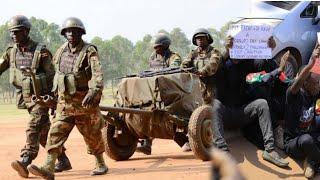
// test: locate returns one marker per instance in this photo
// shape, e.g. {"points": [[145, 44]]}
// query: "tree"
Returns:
{"points": [[4, 41], [179, 42], [141, 54], [45, 33], [219, 36], [115, 56]]}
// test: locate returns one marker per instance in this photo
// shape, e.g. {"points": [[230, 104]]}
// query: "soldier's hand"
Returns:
{"points": [[284, 61], [271, 43], [229, 42], [88, 100]]}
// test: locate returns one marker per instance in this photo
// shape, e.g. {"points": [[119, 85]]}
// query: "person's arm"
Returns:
{"points": [[95, 84], [46, 63], [303, 75], [275, 73], [5, 61], [228, 46], [188, 62]]}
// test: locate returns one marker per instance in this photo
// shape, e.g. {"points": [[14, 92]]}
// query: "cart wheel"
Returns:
{"points": [[200, 132], [119, 148]]}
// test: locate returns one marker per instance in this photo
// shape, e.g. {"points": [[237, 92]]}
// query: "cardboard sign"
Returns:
{"points": [[250, 41]]}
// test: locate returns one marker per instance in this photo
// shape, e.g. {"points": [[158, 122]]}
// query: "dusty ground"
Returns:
{"points": [[166, 162]]}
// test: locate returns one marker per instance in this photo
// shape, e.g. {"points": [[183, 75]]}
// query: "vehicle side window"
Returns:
{"points": [[311, 11]]}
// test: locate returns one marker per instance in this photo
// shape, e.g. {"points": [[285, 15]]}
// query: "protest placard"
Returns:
{"points": [[250, 41]]}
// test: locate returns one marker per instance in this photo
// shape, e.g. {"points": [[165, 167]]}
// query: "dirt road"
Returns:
{"points": [[166, 162]]}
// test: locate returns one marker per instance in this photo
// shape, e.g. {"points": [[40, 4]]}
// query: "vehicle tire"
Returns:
{"points": [[291, 68], [118, 148], [200, 132]]}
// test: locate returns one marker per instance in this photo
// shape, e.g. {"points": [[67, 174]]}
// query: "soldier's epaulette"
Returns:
{"points": [[91, 45]]}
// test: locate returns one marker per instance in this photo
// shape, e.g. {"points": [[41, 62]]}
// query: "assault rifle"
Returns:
{"points": [[169, 70], [45, 100]]}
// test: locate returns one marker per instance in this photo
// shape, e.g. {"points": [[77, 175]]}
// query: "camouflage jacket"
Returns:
{"points": [[77, 71], [170, 59], [35, 56], [206, 62]]}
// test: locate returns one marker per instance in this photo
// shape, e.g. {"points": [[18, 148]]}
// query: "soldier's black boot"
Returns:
{"points": [[63, 163], [145, 146], [21, 166], [101, 167]]}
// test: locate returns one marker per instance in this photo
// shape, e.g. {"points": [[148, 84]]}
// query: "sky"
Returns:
{"points": [[131, 18]]}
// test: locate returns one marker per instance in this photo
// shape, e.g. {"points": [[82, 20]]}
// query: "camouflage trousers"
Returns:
{"points": [[36, 131], [88, 122]]}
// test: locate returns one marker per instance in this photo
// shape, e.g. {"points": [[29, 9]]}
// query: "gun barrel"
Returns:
{"points": [[126, 110], [49, 101], [34, 99]]}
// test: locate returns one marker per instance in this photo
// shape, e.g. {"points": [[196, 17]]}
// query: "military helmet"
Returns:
{"points": [[17, 22], [161, 39], [201, 32], [72, 22]]}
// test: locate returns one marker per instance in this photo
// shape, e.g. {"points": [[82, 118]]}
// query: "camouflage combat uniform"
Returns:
{"points": [[170, 59], [207, 63], [38, 58], [78, 70]]}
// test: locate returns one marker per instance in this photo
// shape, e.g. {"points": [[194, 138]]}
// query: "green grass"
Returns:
{"points": [[108, 96], [10, 111]]}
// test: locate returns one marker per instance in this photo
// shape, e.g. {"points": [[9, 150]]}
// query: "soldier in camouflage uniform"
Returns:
{"points": [[27, 53], [78, 82], [207, 60], [162, 57]]}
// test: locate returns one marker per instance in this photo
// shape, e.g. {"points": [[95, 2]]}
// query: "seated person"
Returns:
{"points": [[301, 130], [234, 109]]}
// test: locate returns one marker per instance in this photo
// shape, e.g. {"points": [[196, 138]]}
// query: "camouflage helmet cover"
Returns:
{"points": [[201, 32], [72, 22], [18, 22]]}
